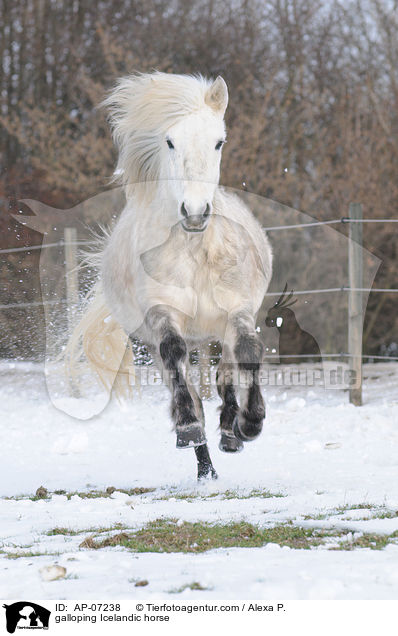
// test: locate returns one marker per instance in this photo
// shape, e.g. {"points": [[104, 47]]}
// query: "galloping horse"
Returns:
{"points": [[186, 260]]}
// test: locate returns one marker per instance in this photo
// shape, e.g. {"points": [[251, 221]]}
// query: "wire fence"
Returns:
{"points": [[343, 288], [267, 229]]}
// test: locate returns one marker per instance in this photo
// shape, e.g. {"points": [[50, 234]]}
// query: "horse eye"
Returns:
{"points": [[219, 144], [170, 144]]}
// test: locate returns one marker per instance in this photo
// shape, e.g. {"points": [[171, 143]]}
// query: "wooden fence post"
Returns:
{"points": [[72, 280], [355, 318]]}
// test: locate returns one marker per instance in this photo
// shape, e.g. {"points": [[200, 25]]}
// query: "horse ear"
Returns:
{"points": [[217, 95]]}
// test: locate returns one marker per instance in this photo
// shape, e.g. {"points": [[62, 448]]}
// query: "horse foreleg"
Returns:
{"points": [[248, 352], [229, 443], [172, 351]]}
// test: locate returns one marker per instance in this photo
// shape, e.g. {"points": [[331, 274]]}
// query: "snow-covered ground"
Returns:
{"points": [[335, 465]]}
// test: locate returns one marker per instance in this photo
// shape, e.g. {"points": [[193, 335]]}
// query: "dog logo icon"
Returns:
{"points": [[26, 615]]}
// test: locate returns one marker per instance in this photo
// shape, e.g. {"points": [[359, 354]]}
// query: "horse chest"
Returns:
{"points": [[209, 316], [186, 268]]}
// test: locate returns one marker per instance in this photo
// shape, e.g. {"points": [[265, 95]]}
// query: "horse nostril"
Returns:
{"points": [[206, 213], [184, 210]]}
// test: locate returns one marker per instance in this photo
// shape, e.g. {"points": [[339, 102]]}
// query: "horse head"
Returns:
{"points": [[170, 130]]}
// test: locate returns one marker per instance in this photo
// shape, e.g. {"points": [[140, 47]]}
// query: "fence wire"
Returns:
{"points": [[41, 247], [343, 220]]}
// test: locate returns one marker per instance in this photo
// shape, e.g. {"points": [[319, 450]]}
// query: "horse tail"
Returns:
{"points": [[98, 341]]}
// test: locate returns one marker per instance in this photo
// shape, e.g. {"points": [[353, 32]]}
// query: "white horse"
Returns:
{"points": [[186, 260]]}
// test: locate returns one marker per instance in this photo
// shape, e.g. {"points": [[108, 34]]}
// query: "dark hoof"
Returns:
{"points": [[245, 430], [206, 472], [229, 443], [190, 435]]}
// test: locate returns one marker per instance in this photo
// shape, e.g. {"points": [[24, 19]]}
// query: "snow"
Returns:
{"points": [[335, 464]]}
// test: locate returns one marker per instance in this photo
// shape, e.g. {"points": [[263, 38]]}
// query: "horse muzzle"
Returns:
{"points": [[194, 228], [195, 222]]}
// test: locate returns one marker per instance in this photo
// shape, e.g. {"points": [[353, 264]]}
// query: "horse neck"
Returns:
{"points": [[147, 217]]}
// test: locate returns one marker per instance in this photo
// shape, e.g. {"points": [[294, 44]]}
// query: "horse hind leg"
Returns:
{"points": [[205, 465]]}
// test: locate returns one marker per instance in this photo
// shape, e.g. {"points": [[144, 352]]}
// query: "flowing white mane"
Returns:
{"points": [[144, 106]]}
